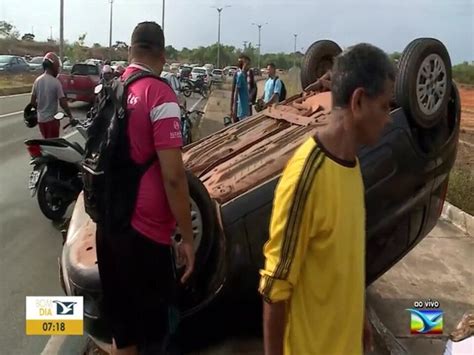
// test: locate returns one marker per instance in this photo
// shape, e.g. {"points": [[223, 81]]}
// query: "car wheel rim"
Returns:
{"points": [[431, 84], [196, 222]]}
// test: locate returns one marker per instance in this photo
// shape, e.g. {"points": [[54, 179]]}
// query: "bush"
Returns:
{"points": [[464, 73]]}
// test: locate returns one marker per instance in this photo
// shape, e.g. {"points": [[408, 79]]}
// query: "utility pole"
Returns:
{"points": [[163, 17], [259, 40], [219, 11], [110, 28], [294, 59], [61, 30]]}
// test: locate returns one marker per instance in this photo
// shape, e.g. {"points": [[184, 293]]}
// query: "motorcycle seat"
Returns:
{"points": [[56, 142]]}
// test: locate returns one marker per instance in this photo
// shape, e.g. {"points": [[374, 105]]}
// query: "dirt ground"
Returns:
{"points": [[467, 116]]}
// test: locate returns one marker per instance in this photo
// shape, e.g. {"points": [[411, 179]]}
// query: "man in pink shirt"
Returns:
{"points": [[136, 266]]}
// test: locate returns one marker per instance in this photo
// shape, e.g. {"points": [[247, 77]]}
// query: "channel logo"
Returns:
{"points": [[426, 321]]}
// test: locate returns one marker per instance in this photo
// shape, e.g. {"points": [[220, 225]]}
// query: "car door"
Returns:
{"points": [[13, 65], [22, 65]]}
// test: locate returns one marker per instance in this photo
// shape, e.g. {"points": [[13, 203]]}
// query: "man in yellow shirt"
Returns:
{"points": [[313, 281]]}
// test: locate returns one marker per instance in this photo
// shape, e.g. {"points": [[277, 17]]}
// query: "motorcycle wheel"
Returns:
{"points": [[187, 91], [52, 208]]}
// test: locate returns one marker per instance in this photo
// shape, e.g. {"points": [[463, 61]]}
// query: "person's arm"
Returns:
{"points": [[62, 99], [65, 106], [176, 188], [235, 97], [291, 226], [274, 321], [232, 97], [33, 100], [167, 139]]}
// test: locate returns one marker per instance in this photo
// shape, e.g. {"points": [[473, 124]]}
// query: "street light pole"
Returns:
{"points": [[163, 17], [110, 28], [294, 59], [61, 30], [259, 40], [219, 11]]}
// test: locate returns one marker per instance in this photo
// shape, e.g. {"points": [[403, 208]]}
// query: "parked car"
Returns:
{"points": [[175, 67], [80, 83], [256, 71], [36, 64], [176, 85], [217, 75], [199, 71], [232, 175], [232, 70], [67, 66], [119, 63], [184, 72], [13, 64]]}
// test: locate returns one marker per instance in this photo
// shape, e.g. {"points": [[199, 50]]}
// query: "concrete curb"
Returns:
{"points": [[459, 218]]}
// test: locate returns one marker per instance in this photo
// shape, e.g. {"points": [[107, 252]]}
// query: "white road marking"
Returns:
{"points": [[54, 345], [16, 95], [10, 114], [197, 103]]}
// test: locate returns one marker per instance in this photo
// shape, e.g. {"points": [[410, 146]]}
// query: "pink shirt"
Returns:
{"points": [[154, 124]]}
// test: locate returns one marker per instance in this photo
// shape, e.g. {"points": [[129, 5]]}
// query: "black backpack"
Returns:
{"points": [[282, 96], [110, 176]]}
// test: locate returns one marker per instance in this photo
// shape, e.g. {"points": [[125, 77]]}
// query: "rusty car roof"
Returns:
{"points": [[244, 155]]}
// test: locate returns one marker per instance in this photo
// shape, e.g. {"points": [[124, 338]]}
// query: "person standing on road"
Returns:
{"points": [[313, 281], [47, 91], [136, 265], [240, 100], [272, 90]]}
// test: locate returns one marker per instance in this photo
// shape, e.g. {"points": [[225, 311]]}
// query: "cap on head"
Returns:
{"points": [[148, 35]]}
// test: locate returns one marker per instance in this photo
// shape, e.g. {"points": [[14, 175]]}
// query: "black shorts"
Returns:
{"points": [[138, 285]]}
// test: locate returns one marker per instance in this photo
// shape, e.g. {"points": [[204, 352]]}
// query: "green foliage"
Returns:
{"points": [[461, 189], [464, 73]]}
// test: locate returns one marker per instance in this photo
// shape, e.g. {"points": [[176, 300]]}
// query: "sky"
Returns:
{"points": [[390, 25]]}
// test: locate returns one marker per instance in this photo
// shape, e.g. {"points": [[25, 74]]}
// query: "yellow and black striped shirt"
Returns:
{"points": [[314, 258]]}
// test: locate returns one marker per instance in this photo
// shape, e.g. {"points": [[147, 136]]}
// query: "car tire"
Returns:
{"points": [[187, 92], [204, 217], [423, 85], [318, 60]]}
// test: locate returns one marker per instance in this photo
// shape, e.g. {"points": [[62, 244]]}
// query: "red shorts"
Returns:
{"points": [[49, 129]]}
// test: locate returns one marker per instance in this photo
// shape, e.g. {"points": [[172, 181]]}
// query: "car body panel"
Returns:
{"points": [[80, 83], [13, 64]]}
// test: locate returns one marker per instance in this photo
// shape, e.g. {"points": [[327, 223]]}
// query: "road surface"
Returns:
{"points": [[29, 243]]}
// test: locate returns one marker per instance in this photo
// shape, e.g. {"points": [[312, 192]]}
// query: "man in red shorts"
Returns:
{"points": [[47, 91]]}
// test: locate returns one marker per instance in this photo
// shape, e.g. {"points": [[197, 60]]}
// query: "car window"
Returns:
{"points": [[217, 72], [5, 59], [15, 60], [85, 69], [199, 71]]}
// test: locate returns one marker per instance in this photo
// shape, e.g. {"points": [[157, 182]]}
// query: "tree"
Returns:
{"points": [[395, 56], [120, 45], [5, 29], [171, 52], [96, 45], [28, 37]]}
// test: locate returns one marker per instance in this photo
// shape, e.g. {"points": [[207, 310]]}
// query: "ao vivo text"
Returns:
{"points": [[429, 303]]}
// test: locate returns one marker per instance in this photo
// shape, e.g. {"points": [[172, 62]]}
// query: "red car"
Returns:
{"points": [[80, 83]]}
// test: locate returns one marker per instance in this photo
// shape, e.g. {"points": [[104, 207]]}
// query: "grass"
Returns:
{"points": [[461, 189], [16, 84]]}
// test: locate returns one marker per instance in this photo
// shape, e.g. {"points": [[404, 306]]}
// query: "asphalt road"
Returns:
{"points": [[29, 243]]}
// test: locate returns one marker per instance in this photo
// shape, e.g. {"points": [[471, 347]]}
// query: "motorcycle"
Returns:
{"points": [[187, 124], [198, 86], [56, 176]]}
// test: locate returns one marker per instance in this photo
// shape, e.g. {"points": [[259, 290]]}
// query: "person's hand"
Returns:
{"points": [[368, 338], [186, 257]]}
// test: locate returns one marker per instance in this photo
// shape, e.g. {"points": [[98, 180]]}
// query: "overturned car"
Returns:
{"points": [[233, 174]]}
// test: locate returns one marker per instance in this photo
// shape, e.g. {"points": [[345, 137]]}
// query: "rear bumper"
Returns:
{"points": [[86, 96]]}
